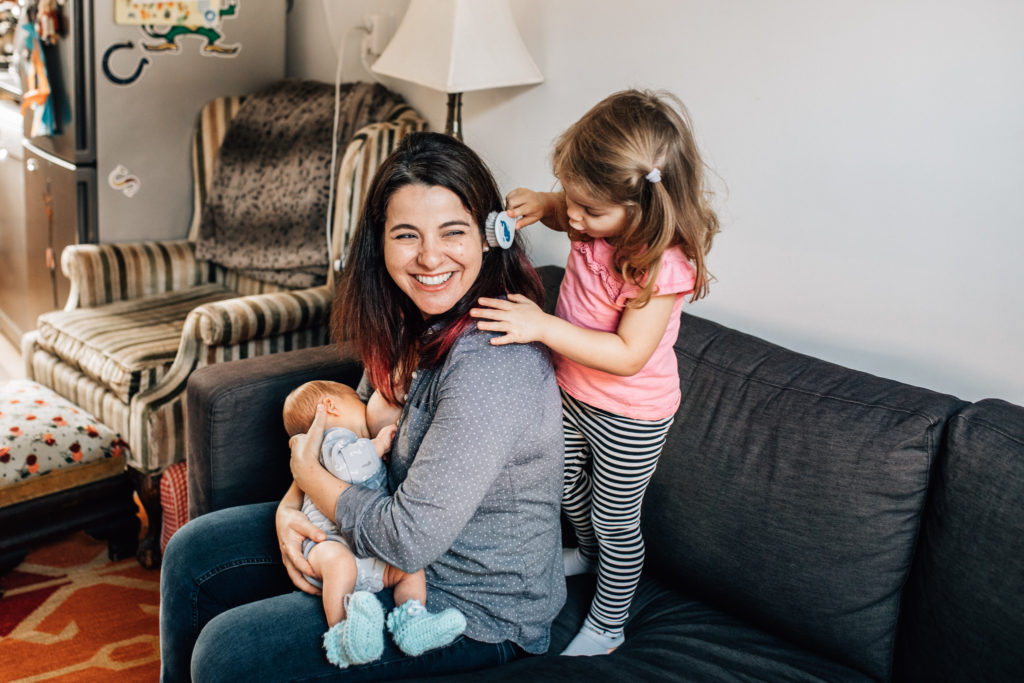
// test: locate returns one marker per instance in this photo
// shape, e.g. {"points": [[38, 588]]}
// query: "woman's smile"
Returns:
{"points": [[432, 280], [433, 248]]}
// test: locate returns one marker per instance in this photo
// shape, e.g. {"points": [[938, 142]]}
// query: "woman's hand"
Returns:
{"points": [[518, 317], [305, 460], [292, 527], [322, 487]]}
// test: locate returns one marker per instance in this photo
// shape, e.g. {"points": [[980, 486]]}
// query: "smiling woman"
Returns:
{"points": [[474, 474]]}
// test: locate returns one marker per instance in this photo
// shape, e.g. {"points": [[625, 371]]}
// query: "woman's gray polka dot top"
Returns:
{"points": [[476, 471]]}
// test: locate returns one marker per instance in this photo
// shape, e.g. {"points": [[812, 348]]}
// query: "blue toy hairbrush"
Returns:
{"points": [[500, 230]]}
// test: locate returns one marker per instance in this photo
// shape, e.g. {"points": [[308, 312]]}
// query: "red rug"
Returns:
{"points": [[68, 614]]}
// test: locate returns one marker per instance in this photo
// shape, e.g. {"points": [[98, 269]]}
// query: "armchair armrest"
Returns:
{"points": [[105, 273], [235, 321], [237, 446]]}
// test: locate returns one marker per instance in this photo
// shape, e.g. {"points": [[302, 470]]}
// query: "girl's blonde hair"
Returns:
{"points": [[609, 153]]}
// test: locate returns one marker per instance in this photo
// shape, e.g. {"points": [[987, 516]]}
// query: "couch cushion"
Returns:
{"points": [[669, 637], [126, 346], [790, 491], [964, 605]]}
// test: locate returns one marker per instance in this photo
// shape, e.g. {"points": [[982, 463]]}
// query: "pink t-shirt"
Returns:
{"points": [[594, 296]]}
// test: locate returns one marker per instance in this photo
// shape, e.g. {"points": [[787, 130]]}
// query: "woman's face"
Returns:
{"points": [[432, 246]]}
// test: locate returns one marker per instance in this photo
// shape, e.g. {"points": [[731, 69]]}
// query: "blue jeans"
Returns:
{"points": [[229, 612]]}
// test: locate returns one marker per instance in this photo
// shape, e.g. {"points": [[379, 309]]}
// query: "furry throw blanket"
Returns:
{"points": [[266, 209]]}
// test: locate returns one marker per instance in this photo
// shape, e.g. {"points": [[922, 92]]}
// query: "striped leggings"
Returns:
{"points": [[603, 501]]}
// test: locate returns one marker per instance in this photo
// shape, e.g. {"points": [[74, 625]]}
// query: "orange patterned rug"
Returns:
{"points": [[69, 614]]}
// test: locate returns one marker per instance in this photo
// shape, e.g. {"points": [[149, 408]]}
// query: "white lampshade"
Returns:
{"points": [[458, 45]]}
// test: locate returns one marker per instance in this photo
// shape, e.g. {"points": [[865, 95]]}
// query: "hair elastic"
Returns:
{"points": [[655, 175]]}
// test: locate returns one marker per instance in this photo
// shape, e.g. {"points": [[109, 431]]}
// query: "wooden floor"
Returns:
{"points": [[11, 366]]}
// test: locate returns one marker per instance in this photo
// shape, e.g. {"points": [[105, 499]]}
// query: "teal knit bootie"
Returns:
{"points": [[415, 630], [360, 637]]}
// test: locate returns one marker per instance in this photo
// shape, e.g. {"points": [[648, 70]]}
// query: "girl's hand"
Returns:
{"points": [[519, 318], [525, 205], [305, 460], [292, 528]]}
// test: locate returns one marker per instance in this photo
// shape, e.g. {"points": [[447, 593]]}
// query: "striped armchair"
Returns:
{"points": [[141, 317]]}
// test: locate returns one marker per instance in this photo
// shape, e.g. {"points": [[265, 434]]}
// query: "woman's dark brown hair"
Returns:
{"points": [[369, 309]]}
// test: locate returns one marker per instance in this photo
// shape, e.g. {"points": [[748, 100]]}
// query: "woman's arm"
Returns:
{"points": [[466, 436], [292, 527], [529, 207], [622, 352], [322, 487]]}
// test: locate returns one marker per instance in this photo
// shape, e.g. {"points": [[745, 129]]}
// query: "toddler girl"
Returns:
{"points": [[635, 208]]}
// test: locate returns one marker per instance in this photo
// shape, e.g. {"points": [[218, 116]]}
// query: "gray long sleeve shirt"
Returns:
{"points": [[476, 470]]}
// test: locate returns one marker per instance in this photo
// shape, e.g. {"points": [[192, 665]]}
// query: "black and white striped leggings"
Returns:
{"points": [[603, 502]]}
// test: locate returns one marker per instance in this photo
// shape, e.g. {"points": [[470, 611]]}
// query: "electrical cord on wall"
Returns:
{"points": [[365, 51]]}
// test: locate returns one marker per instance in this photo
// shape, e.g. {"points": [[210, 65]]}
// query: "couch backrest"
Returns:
{"points": [[963, 610], [790, 491]]}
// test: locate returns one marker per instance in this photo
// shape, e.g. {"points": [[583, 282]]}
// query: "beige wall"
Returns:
{"points": [[870, 158]]}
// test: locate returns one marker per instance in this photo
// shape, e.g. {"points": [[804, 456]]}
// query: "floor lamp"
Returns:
{"points": [[455, 46]]}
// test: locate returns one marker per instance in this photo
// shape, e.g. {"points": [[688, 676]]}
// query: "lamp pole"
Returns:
{"points": [[453, 125]]}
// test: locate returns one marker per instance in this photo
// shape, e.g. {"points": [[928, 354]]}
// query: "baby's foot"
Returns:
{"points": [[360, 637], [415, 630], [594, 641], [577, 563]]}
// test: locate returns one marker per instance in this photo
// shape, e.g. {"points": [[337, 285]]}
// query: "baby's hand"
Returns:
{"points": [[519, 318], [525, 205], [382, 442]]}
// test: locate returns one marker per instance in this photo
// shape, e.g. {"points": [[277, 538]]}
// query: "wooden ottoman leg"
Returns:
{"points": [[148, 488]]}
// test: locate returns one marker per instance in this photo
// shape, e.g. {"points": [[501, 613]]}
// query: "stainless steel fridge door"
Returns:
{"points": [[150, 88], [58, 212], [69, 68], [14, 321]]}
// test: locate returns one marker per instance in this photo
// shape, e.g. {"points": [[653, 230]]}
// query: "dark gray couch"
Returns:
{"points": [[806, 521]]}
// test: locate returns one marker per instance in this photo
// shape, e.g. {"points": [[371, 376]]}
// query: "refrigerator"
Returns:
{"points": [[107, 155]]}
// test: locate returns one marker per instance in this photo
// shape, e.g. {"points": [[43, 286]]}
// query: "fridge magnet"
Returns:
{"points": [[122, 180], [127, 79], [164, 23]]}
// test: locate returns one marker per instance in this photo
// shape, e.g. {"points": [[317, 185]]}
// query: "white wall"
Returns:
{"points": [[869, 159]]}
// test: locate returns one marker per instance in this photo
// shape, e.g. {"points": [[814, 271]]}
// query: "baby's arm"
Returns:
{"points": [[529, 207], [622, 352]]}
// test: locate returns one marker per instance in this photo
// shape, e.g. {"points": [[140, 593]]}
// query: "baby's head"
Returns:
{"points": [[344, 409]]}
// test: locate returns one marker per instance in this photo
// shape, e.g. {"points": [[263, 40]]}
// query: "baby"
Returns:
{"points": [[348, 582]]}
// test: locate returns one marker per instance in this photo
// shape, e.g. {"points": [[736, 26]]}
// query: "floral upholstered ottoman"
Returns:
{"points": [[60, 470]]}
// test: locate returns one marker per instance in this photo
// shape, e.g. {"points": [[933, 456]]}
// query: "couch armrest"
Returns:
{"points": [[237, 446], [256, 316], [104, 273]]}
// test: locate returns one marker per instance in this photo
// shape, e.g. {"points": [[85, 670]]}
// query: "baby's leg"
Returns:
{"points": [[407, 586], [337, 569]]}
